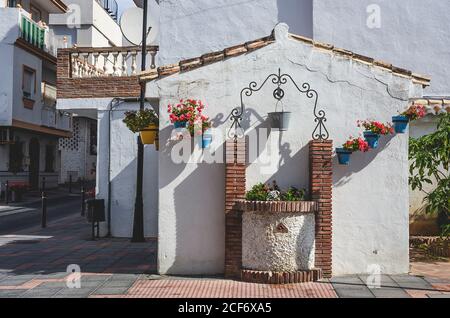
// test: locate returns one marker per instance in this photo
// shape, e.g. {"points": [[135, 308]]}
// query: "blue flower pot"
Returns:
{"points": [[180, 124], [400, 124], [343, 156], [372, 139], [206, 141]]}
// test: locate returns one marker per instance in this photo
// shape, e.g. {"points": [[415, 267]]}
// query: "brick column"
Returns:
{"points": [[235, 150], [321, 180]]}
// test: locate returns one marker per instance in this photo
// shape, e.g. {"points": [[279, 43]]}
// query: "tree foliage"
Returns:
{"points": [[429, 164]]}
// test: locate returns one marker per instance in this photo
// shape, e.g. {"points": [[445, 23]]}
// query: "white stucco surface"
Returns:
{"points": [[370, 199], [193, 27], [408, 33], [266, 249]]}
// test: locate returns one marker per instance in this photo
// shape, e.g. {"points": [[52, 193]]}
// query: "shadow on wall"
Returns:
{"points": [[359, 160], [298, 14], [199, 201]]}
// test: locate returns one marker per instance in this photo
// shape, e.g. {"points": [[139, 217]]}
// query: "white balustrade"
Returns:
{"points": [[96, 62]]}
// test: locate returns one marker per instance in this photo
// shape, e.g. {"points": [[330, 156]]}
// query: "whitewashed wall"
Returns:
{"points": [[412, 33], [123, 166], [193, 27], [370, 200]]}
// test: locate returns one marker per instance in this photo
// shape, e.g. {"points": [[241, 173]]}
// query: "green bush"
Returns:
{"points": [[259, 192], [293, 194]]}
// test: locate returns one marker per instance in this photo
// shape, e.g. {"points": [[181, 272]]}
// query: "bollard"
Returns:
{"points": [[43, 184], [70, 183], [7, 192], [44, 210], [83, 199]]}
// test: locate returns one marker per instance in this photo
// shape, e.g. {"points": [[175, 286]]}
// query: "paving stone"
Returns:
{"points": [[388, 292], [350, 280], [118, 283], [125, 277], [385, 280], [111, 291], [40, 292], [80, 292], [411, 282], [353, 292], [16, 281], [440, 296], [11, 293]]}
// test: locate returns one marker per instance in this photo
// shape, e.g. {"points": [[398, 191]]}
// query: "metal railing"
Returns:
{"points": [[111, 7], [31, 32]]}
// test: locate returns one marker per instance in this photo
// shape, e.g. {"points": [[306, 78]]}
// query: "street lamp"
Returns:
{"points": [[138, 222]]}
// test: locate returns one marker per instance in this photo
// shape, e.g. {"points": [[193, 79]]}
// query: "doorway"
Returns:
{"points": [[34, 153]]}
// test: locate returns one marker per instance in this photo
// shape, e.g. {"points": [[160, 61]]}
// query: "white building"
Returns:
{"points": [[184, 203], [29, 121], [92, 23]]}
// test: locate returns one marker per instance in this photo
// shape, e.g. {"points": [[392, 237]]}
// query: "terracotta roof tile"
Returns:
{"points": [[433, 105], [186, 65]]}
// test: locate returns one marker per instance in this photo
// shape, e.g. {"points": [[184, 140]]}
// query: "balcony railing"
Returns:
{"points": [[52, 118], [31, 32], [48, 94], [110, 61], [39, 35], [111, 7]]}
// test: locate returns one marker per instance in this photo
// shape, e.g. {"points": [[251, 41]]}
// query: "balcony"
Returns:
{"points": [[52, 118], [38, 35], [48, 94], [101, 72]]}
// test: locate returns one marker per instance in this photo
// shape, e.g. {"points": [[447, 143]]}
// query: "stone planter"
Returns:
{"points": [[278, 242]]}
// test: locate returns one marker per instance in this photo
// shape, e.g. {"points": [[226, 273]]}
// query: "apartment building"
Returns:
{"points": [[30, 125]]}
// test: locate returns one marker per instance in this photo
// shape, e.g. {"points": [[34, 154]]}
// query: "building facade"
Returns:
{"points": [[30, 123], [236, 43]]}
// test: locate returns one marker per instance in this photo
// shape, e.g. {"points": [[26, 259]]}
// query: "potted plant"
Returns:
{"points": [[263, 192], [145, 122], [412, 113], [202, 128], [187, 111], [350, 146], [374, 129]]}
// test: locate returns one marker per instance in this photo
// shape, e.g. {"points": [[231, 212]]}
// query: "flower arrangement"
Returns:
{"points": [[136, 121], [186, 112], [199, 126], [266, 192], [415, 112], [376, 127], [356, 144]]}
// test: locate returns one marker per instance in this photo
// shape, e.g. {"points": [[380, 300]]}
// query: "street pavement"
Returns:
{"points": [[39, 262]]}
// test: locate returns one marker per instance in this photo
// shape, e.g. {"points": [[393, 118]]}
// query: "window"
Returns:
{"points": [[49, 158], [29, 86]]}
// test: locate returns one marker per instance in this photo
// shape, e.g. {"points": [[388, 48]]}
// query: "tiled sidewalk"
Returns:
{"points": [[34, 263]]}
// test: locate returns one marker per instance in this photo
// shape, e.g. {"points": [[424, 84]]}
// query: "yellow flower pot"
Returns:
{"points": [[148, 135]]}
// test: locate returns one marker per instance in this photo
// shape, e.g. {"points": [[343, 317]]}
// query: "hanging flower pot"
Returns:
{"points": [[280, 120], [400, 123], [180, 124], [374, 129], [206, 141], [343, 156], [372, 139], [350, 146], [148, 135], [145, 122]]}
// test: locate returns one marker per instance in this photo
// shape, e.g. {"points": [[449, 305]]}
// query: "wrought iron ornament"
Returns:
{"points": [[320, 132]]}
